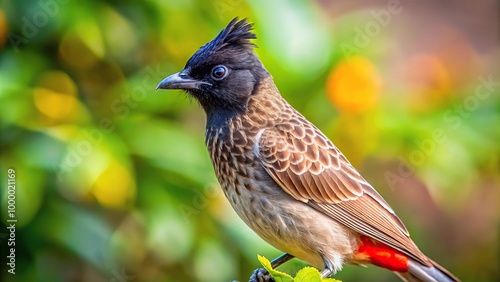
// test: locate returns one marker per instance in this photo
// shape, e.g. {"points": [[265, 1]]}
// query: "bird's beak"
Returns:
{"points": [[180, 80]]}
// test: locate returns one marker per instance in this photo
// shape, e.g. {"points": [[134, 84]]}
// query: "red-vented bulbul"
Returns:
{"points": [[283, 176]]}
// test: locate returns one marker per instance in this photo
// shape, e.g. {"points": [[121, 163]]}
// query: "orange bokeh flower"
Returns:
{"points": [[354, 85]]}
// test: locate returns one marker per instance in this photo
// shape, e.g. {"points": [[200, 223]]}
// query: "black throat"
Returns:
{"points": [[219, 118]]}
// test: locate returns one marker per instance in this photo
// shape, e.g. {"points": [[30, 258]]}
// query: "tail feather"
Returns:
{"points": [[418, 272]]}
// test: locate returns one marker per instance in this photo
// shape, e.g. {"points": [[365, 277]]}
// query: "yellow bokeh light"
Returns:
{"points": [[55, 95], [54, 104], [89, 34], [354, 85], [114, 187]]}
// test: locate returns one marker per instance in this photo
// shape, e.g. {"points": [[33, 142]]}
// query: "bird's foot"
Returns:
{"points": [[261, 275]]}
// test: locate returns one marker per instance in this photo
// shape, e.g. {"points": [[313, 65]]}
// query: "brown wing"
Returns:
{"points": [[307, 165]]}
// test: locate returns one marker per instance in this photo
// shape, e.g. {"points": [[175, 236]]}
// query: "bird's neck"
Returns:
{"points": [[220, 117], [265, 100], [265, 108]]}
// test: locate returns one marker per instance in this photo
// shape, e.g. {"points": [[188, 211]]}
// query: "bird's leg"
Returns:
{"points": [[326, 272], [329, 269], [262, 275], [281, 260]]}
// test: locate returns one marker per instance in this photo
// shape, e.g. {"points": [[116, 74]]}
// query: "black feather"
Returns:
{"points": [[233, 49], [236, 35]]}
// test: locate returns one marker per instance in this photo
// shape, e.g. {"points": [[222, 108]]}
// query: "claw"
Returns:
{"points": [[261, 275]]}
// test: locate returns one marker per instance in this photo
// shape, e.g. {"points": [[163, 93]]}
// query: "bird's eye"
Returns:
{"points": [[219, 72]]}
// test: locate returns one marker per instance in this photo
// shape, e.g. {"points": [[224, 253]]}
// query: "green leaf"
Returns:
{"points": [[306, 274], [277, 275]]}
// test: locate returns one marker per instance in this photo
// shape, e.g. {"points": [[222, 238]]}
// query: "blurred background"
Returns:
{"points": [[113, 179]]}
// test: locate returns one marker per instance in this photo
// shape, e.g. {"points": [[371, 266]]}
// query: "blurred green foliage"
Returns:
{"points": [[114, 182]]}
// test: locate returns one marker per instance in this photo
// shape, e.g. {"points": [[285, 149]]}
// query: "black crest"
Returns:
{"points": [[237, 33]]}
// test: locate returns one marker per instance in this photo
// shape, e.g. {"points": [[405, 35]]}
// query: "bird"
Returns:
{"points": [[285, 178]]}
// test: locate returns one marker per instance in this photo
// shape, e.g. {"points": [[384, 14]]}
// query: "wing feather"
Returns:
{"points": [[306, 165]]}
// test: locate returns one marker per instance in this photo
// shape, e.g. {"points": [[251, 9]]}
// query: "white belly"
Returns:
{"points": [[294, 227]]}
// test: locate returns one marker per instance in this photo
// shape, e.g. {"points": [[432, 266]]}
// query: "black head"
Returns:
{"points": [[223, 73]]}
